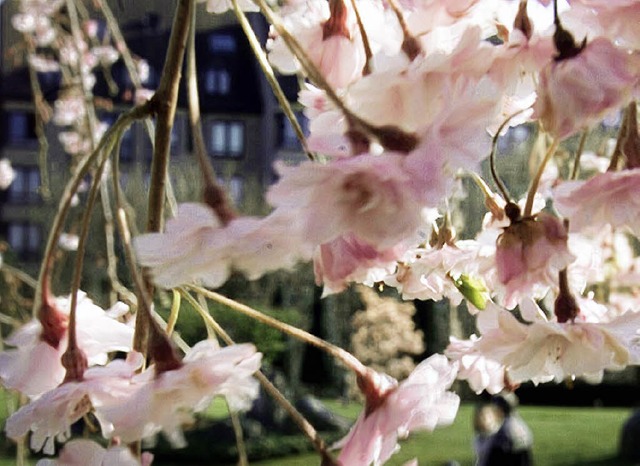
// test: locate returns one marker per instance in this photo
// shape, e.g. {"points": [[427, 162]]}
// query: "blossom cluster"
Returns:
{"points": [[403, 99]]}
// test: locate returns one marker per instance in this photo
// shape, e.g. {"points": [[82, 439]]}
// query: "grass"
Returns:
{"points": [[562, 437]]}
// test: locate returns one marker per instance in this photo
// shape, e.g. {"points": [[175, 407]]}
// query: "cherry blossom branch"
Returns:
{"points": [[20, 275], [268, 73], [42, 114], [141, 299], [243, 460], [533, 188], [208, 173], [120, 43], [214, 195], [576, 161], [410, 45], [174, 313], [390, 137], [92, 122], [340, 354], [73, 359], [365, 40], [68, 193], [627, 135], [304, 425], [492, 156], [164, 102]]}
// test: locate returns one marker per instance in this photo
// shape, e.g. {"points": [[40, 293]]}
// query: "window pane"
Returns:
{"points": [[33, 238], [33, 185], [18, 127], [236, 189], [218, 137], [19, 186], [210, 81], [217, 81], [236, 138], [224, 82], [222, 43], [15, 236]]}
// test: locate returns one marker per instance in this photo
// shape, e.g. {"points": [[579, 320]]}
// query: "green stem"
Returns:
{"points": [[194, 108], [533, 188], [84, 232], [343, 356], [165, 101], [304, 425], [67, 196], [365, 40], [576, 161], [494, 151], [267, 70]]}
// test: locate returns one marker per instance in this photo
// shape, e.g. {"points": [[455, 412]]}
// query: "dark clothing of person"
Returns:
{"points": [[511, 444]]}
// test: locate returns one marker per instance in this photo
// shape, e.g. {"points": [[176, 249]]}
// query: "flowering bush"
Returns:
{"points": [[404, 99]]}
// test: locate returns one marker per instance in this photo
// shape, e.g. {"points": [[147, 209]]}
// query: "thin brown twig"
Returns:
{"points": [[307, 429], [267, 70], [340, 354]]}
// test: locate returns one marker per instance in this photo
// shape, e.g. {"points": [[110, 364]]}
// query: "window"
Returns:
{"points": [[221, 43], [20, 127], [227, 138], [236, 189], [217, 81], [287, 138], [25, 187], [25, 239]]}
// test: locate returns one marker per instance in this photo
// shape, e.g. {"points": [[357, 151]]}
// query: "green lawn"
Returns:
{"points": [[562, 437]]}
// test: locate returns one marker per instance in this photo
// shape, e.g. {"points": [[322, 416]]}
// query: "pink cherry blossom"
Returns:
{"points": [[365, 196], [82, 452], [429, 273], [50, 417], [614, 20], [542, 350], [34, 366], [421, 402], [182, 252], [479, 371], [330, 38], [607, 198], [348, 259], [196, 246], [164, 402], [69, 110], [530, 252], [577, 92]]}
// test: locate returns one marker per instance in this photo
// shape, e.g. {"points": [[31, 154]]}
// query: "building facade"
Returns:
{"points": [[244, 128]]}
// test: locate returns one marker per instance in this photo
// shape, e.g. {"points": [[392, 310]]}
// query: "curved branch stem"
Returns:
{"points": [[492, 156], [368, 54], [307, 429], [267, 70], [340, 354], [195, 120], [533, 188], [576, 161], [164, 102]]}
